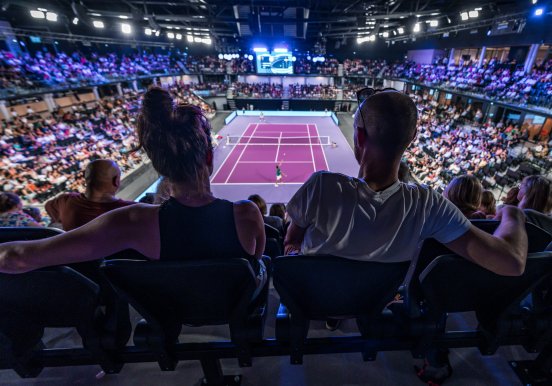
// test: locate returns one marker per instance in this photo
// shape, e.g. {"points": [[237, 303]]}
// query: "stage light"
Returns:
{"points": [[51, 16], [473, 14], [197, 39], [400, 30], [178, 36], [75, 20], [281, 50], [148, 31], [123, 17], [416, 27], [126, 28], [207, 41], [170, 35], [250, 57], [42, 9], [37, 14], [464, 16], [190, 38], [385, 34], [433, 23], [259, 49], [98, 24], [157, 33], [539, 11], [448, 20], [534, 1]]}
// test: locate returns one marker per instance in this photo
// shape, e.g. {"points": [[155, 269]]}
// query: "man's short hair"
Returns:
{"points": [[390, 118]]}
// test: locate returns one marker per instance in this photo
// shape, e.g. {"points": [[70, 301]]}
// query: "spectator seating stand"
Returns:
{"points": [[169, 294]]}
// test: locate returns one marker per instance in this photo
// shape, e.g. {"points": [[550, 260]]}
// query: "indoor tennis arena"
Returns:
{"points": [[276, 193]]}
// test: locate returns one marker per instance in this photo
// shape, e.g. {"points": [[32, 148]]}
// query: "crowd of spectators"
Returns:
{"points": [[360, 67], [44, 69], [311, 91], [257, 90], [306, 66], [452, 141], [503, 81]]}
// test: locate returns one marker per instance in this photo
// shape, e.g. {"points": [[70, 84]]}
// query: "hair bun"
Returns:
{"points": [[157, 103]]}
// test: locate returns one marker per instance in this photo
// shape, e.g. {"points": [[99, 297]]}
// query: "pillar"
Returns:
{"points": [[482, 56], [451, 58], [531, 57], [119, 89], [96, 93], [49, 100], [135, 85], [4, 111]]}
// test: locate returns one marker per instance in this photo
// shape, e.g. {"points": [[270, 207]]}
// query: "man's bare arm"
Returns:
{"points": [[294, 238], [504, 252]]}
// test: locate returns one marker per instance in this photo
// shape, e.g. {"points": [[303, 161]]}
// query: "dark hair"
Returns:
{"points": [[278, 209], [538, 193], [465, 193], [176, 138], [8, 201], [259, 201], [488, 203], [511, 197]]}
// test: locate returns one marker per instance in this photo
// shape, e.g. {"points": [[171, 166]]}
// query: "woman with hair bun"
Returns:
{"points": [[176, 138]]}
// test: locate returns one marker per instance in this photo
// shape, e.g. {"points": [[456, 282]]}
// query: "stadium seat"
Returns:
{"points": [[452, 284], [274, 242], [53, 297], [113, 323], [322, 287], [169, 294]]}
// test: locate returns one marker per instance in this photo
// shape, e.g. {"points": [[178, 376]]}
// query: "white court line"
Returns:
{"points": [[241, 154], [255, 183], [278, 148], [228, 155], [270, 162], [312, 152], [321, 148]]}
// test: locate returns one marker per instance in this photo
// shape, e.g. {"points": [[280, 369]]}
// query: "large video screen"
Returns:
{"points": [[272, 63]]}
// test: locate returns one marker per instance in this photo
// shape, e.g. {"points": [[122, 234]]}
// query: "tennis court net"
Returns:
{"points": [[276, 141]]}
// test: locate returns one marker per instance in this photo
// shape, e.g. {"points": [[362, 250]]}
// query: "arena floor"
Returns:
{"points": [[294, 142]]}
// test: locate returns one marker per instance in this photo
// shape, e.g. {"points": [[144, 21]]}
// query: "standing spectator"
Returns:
{"points": [[11, 212], [72, 210]]}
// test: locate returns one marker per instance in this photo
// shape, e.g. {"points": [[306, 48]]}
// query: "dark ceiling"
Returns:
{"points": [[232, 24]]}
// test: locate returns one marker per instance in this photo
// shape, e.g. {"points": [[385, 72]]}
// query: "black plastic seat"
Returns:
{"points": [[26, 233], [453, 284], [41, 297], [274, 242], [50, 297], [169, 294], [322, 287]]}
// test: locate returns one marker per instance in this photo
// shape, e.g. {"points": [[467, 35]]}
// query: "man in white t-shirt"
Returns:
{"points": [[377, 218]]}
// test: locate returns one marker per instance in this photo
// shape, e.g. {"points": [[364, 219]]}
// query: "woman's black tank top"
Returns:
{"points": [[205, 232]]}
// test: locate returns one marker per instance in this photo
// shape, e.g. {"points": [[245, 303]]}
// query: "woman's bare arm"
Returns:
{"points": [[131, 227], [250, 227]]}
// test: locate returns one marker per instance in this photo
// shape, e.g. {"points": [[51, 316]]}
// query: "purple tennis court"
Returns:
{"points": [[297, 148], [246, 157]]}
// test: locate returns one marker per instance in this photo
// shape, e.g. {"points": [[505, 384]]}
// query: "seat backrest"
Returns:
{"points": [[538, 240], [197, 292], [453, 284], [50, 297], [8, 234], [320, 286]]}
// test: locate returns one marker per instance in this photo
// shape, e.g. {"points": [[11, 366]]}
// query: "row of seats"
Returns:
{"points": [[214, 292]]}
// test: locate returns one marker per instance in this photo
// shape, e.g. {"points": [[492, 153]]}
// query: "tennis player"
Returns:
{"points": [[278, 175]]}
